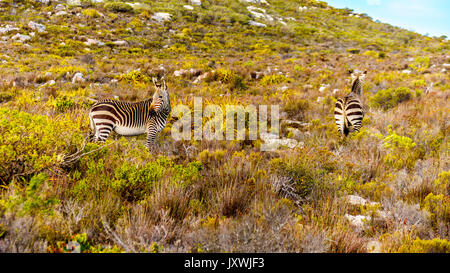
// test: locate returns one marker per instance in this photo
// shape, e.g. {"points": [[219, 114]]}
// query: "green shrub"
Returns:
{"points": [[29, 143], [439, 207], [426, 246], [420, 64], [402, 151], [63, 103], [134, 182], [389, 98], [93, 13], [274, 79], [118, 7], [134, 77]]}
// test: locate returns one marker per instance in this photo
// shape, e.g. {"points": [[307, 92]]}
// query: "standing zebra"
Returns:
{"points": [[348, 111], [130, 119]]}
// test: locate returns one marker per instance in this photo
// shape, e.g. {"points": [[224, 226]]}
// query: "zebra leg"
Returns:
{"points": [[151, 136], [102, 132]]}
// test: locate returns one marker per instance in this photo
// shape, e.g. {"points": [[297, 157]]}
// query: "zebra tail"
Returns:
{"points": [[346, 126]]}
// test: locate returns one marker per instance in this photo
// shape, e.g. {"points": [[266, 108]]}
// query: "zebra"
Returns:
{"points": [[130, 119], [349, 112]]}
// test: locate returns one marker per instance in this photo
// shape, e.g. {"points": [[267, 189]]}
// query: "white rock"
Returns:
{"points": [[60, 7], [78, 77], [406, 71], [45, 2], [49, 83], [74, 2], [357, 221], [323, 87], [273, 142], [36, 26], [373, 247], [179, 73], [6, 29], [196, 2], [302, 8], [259, 13], [21, 37], [120, 43], [201, 77], [443, 70], [255, 2], [61, 13], [162, 16], [358, 200], [91, 42], [189, 7], [256, 24], [446, 65], [252, 8]]}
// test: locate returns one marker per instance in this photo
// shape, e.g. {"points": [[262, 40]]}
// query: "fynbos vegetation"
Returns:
{"points": [[383, 188]]}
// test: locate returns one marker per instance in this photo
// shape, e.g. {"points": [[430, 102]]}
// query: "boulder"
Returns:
{"points": [[357, 221], [256, 24], [74, 2], [36, 26], [91, 42], [78, 77], [255, 2], [20, 37], [120, 43], [6, 29], [359, 201], [61, 13], [196, 2], [162, 16]]}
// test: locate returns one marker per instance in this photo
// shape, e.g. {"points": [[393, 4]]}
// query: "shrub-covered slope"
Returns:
{"points": [[384, 189]]}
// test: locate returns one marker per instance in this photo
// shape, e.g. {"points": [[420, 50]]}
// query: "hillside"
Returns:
{"points": [[383, 189]]}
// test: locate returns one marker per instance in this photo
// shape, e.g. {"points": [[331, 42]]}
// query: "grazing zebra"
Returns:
{"points": [[130, 119], [348, 111]]}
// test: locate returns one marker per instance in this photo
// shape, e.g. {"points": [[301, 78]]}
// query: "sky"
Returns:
{"points": [[430, 17]]}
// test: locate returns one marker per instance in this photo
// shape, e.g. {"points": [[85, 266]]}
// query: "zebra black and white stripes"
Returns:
{"points": [[348, 111], [129, 119]]}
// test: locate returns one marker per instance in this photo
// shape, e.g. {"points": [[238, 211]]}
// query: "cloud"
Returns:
{"points": [[373, 2]]}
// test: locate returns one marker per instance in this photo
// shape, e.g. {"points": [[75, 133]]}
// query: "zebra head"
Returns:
{"points": [[160, 100], [357, 80]]}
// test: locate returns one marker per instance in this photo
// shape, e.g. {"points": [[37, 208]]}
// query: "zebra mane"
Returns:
{"points": [[357, 86], [357, 83]]}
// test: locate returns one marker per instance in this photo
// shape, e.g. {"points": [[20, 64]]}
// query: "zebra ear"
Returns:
{"points": [[350, 71], [164, 83]]}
